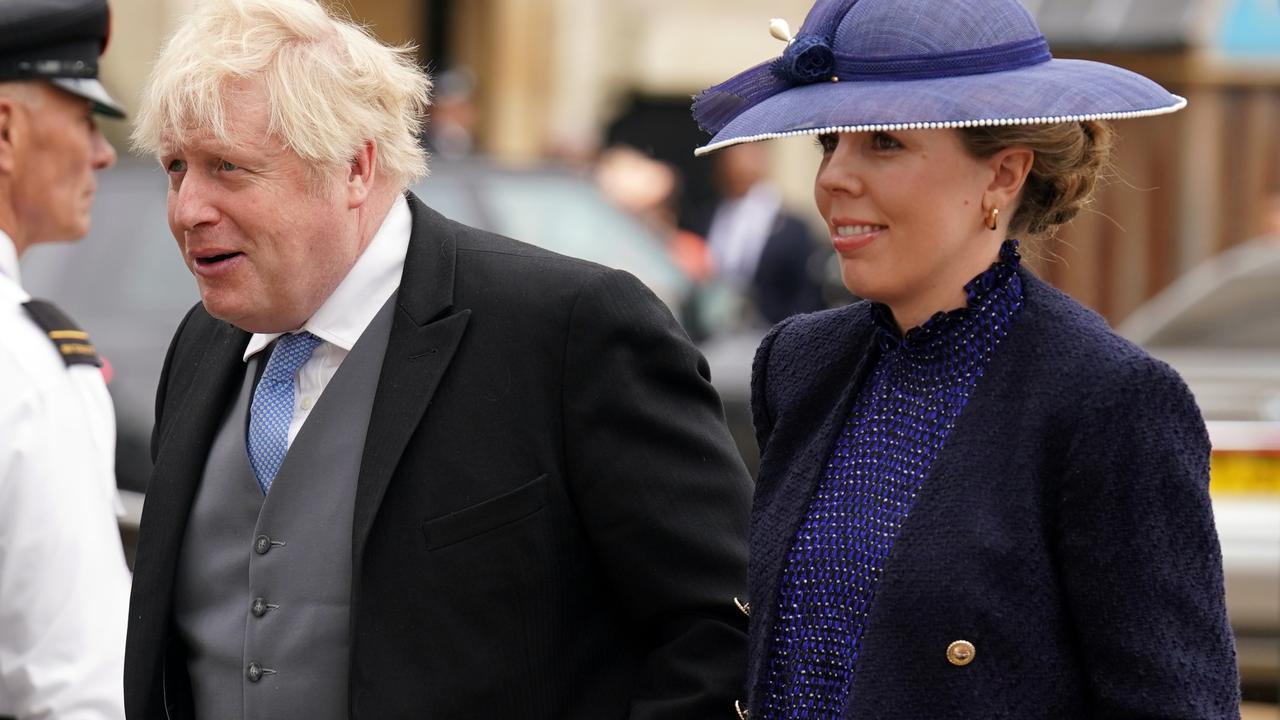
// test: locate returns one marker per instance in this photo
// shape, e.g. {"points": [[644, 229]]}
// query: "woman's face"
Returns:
{"points": [[906, 217]]}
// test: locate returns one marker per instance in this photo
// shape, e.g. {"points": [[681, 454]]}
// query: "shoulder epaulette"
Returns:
{"points": [[72, 342]]}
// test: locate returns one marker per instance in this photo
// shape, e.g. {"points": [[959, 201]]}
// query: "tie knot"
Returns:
{"points": [[290, 353]]}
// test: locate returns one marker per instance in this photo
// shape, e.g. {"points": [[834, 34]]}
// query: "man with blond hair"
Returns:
{"points": [[405, 468], [64, 583]]}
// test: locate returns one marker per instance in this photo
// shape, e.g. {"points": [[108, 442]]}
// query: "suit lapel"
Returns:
{"points": [[193, 422], [425, 334]]}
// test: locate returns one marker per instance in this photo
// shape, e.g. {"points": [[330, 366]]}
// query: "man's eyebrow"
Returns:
{"points": [[210, 148]]}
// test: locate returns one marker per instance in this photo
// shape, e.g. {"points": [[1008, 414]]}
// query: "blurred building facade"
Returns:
{"points": [[554, 74], [1187, 186]]}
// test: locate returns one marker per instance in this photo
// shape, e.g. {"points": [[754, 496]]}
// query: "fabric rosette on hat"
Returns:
{"points": [[866, 65]]}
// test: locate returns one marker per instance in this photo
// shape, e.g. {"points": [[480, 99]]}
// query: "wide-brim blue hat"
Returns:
{"points": [[883, 65]]}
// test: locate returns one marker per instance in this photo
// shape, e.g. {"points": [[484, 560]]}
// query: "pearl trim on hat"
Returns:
{"points": [[1181, 103]]}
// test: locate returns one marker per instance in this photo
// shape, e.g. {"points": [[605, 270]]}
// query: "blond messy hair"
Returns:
{"points": [[331, 86]]}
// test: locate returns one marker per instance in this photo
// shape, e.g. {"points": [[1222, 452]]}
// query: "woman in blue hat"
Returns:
{"points": [[974, 500]]}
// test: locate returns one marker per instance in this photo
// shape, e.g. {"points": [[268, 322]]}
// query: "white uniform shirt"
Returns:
{"points": [[347, 312], [64, 584]]}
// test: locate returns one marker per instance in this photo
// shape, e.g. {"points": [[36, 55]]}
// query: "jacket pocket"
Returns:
{"points": [[487, 515]]}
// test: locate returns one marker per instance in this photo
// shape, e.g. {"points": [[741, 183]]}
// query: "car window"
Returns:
{"points": [[1242, 312], [567, 216], [1231, 302]]}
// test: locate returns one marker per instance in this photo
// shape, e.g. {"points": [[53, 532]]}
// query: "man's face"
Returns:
{"points": [[53, 181], [267, 240]]}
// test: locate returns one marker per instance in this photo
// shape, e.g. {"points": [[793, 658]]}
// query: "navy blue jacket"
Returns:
{"points": [[1065, 529]]}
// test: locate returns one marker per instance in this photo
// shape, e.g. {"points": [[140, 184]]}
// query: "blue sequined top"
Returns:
{"points": [[899, 421]]}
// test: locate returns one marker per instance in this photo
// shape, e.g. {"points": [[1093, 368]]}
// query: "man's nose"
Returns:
{"points": [[104, 156], [191, 203]]}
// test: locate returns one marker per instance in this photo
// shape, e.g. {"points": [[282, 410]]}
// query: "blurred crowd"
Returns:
{"points": [[728, 228]]}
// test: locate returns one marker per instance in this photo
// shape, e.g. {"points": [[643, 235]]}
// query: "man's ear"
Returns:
{"points": [[8, 118], [1010, 168], [361, 174]]}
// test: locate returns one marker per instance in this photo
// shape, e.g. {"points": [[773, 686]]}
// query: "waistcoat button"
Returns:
{"points": [[261, 544], [254, 672], [259, 607]]}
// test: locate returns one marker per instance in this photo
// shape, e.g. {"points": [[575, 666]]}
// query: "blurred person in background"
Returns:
{"points": [[451, 120], [404, 467], [64, 584], [974, 499], [755, 244], [647, 188]]}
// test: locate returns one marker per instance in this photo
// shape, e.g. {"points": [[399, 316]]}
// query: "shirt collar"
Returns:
{"points": [[375, 276], [9, 258], [992, 298]]}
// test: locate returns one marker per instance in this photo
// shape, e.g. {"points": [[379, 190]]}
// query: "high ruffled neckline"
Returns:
{"points": [[942, 323]]}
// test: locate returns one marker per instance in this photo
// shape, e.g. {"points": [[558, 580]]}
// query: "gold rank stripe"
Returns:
{"points": [[68, 335], [77, 349]]}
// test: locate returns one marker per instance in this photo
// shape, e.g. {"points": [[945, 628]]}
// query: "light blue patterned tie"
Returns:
{"points": [[272, 408]]}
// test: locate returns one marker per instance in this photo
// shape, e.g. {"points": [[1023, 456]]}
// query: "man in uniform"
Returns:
{"points": [[406, 468], [63, 580]]}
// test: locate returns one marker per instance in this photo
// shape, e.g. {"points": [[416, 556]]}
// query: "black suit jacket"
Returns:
{"points": [[550, 519], [788, 275], [786, 281]]}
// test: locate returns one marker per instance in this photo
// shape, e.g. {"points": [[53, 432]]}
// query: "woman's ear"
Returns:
{"points": [[1010, 168]]}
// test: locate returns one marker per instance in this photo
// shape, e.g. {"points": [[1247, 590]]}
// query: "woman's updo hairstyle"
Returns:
{"points": [[1069, 159]]}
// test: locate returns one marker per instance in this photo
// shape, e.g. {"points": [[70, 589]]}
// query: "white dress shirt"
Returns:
{"points": [[739, 230], [64, 584], [347, 312]]}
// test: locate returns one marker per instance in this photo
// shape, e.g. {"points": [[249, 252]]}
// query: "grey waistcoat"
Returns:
{"points": [[262, 596]]}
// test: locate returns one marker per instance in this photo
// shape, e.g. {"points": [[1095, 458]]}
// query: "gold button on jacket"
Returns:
{"points": [[961, 652]]}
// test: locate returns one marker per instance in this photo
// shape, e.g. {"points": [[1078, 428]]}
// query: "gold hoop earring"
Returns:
{"points": [[993, 218]]}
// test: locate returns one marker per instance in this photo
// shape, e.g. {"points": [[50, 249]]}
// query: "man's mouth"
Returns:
{"points": [[212, 264], [212, 260]]}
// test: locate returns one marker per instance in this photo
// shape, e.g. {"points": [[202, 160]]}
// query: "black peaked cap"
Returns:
{"points": [[58, 41]]}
